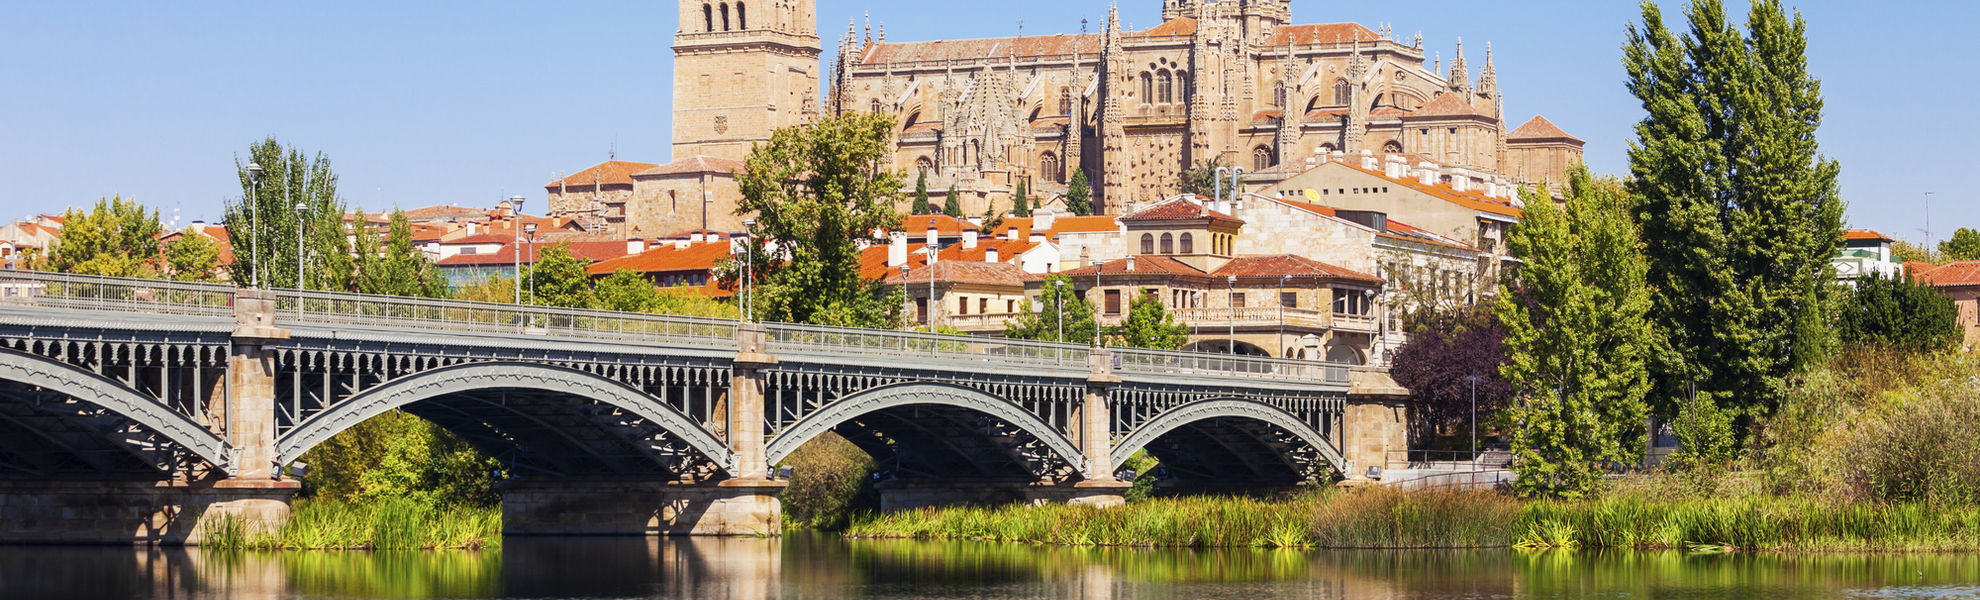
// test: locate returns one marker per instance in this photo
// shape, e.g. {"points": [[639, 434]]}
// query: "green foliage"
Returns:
{"points": [[493, 288], [921, 206], [558, 278], [626, 291], [1079, 198], [1718, 524], [375, 524], [264, 225], [1740, 210], [398, 455], [194, 257], [117, 238], [1021, 206], [1143, 465], [1880, 424], [1964, 245], [951, 204], [397, 268], [1149, 325], [831, 480], [1576, 338], [1202, 180], [1900, 314], [1905, 251], [1056, 303], [818, 195]]}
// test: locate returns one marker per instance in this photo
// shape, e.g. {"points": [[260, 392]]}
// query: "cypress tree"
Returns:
{"points": [[921, 206], [1021, 206], [952, 206], [1740, 211], [1078, 197]]}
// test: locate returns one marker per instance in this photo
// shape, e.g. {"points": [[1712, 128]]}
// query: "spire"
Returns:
{"points": [[882, 37], [1460, 76], [852, 35], [869, 29], [1488, 79]]}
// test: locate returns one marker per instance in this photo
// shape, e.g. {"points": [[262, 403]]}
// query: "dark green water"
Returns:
{"points": [[824, 567]]}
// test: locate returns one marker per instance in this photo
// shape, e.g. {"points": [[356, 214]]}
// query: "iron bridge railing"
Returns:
{"points": [[1136, 360], [117, 294], [457, 315], [909, 345]]}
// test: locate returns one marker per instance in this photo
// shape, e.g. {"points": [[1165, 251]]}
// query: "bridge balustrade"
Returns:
{"points": [[117, 294], [787, 337], [339, 308]]}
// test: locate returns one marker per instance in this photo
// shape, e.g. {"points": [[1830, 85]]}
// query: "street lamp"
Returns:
{"points": [[254, 228], [1059, 314], [749, 271], [1230, 297], [1474, 379], [530, 230], [515, 254], [300, 210]]}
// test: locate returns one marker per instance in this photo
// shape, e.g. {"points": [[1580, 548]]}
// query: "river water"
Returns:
{"points": [[812, 566]]}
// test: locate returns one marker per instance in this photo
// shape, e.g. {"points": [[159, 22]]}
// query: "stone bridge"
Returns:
{"points": [[137, 410]]}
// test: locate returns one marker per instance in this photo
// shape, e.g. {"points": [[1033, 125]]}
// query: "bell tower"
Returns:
{"points": [[742, 68]]}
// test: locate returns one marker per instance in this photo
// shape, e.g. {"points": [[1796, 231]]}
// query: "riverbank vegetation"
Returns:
{"points": [[377, 524]]}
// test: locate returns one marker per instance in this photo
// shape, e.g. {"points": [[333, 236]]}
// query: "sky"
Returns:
{"points": [[423, 103]]}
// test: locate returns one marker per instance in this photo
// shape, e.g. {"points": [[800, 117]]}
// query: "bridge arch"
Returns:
{"points": [[1268, 442], [24, 374], [886, 421], [542, 418]]}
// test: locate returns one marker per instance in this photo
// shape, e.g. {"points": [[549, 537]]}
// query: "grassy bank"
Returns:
{"points": [[384, 524], [1748, 523]]}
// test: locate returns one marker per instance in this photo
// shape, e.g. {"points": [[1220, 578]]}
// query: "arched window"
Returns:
{"points": [[1065, 101], [1261, 158], [1279, 96], [1343, 93], [1188, 243], [923, 165], [1049, 167], [725, 17], [742, 19], [1147, 243], [1393, 147], [876, 106], [1167, 88], [1325, 149], [1168, 244], [1147, 88], [1182, 86], [708, 17]]}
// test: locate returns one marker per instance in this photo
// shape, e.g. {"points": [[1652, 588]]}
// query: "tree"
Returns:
{"points": [[117, 238], [1446, 347], [1149, 325], [1058, 302], [492, 288], [952, 205], [1905, 251], [194, 257], [395, 268], [1898, 313], [559, 279], [921, 206], [1201, 180], [263, 225], [1021, 205], [626, 291], [1577, 338], [398, 455], [1741, 212], [1964, 245], [1078, 197], [820, 195]]}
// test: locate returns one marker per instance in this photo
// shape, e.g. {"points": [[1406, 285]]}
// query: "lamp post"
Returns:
{"points": [[515, 255], [749, 271], [1059, 314], [300, 210], [1474, 379], [530, 230], [1230, 297], [254, 227]]}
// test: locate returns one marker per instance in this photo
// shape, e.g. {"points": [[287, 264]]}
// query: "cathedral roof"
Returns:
{"points": [[693, 164], [1323, 33], [609, 172], [982, 48], [1176, 26], [1446, 105], [1539, 129]]}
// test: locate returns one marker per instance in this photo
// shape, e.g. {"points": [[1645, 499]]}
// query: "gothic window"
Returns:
{"points": [[1279, 96], [1147, 243], [1343, 94], [923, 165], [1065, 101], [1325, 149], [1182, 86], [725, 17], [1049, 167], [742, 19], [1188, 243], [876, 106], [1167, 89], [1168, 244], [1147, 88], [1261, 158], [1393, 147], [707, 17]]}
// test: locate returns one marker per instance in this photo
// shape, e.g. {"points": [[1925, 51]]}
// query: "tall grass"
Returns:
{"points": [[383, 524], [1748, 523]]}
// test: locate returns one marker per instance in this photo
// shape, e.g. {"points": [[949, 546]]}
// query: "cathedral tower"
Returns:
{"points": [[742, 68]]}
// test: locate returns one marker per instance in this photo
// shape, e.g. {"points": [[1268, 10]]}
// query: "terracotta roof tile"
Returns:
{"points": [[667, 258], [959, 271], [591, 251], [1179, 208], [1539, 128], [945, 225], [1865, 234], [1144, 264], [692, 164], [1082, 224], [1446, 105], [440, 212], [1953, 274], [1473, 199], [982, 48], [1177, 26], [1288, 264], [1324, 33], [610, 172]]}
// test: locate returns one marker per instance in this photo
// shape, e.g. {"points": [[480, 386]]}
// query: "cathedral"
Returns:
{"points": [[1231, 81]]}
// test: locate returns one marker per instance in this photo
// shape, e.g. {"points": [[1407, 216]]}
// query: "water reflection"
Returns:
{"points": [[826, 567]]}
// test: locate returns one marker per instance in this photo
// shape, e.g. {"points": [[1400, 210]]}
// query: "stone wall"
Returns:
{"points": [[126, 512], [565, 507], [670, 204]]}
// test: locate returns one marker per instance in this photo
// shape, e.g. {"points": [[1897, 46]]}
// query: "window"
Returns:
{"points": [[470, 250], [707, 18], [1168, 244], [1168, 87], [876, 106], [962, 305], [1049, 168], [1065, 101], [983, 306], [1113, 302], [923, 165], [1279, 97], [742, 20], [1237, 299], [725, 17], [1343, 93], [1289, 299], [1147, 243], [1393, 147], [1182, 86], [1188, 243], [1261, 158], [1010, 306], [921, 309], [1147, 88], [1351, 302]]}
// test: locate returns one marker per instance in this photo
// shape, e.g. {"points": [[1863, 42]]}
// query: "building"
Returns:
{"points": [[1864, 253], [1961, 282]]}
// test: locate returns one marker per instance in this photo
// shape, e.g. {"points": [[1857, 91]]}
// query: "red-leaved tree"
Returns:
{"points": [[1444, 348]]}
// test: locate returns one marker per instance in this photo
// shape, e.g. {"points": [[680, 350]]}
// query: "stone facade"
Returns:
{"points": [[741, 71]]}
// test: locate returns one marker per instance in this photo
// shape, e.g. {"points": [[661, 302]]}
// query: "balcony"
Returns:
{"points": [[1255, 316]]}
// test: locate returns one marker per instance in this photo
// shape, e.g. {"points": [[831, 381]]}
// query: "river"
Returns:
{"points": [[815, 566]]}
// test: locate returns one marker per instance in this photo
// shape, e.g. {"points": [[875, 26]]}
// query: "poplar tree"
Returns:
{"points": [[1078, 197], [263, 226], [1577, 338], [393, 266], [952, 206], [921, 206], [1741, 212], [1021, 206]]}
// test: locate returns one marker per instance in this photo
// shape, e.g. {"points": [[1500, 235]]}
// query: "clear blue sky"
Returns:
{"points": [[428, 103]]}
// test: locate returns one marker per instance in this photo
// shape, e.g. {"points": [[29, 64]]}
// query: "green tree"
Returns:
{"points": [[1021, 205], [194, 257], [264, 225], [1905, 251], [921, 206], [558, 278], [819, 195], [117, 238], [1964, 245], [1078, 197], [688, 301], [952, 205], [1202, 180], [398, 455], [492, 288], [1058, 302], [395, 267], [626, 291], [1149, 325], [1577, 338], [1741, 212], [1897, 313]]}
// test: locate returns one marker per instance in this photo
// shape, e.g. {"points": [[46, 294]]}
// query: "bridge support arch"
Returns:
{"points": [[1221, 442]]}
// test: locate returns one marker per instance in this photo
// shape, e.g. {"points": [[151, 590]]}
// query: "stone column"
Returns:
{"points": [[1098, 486], [252, 492]]}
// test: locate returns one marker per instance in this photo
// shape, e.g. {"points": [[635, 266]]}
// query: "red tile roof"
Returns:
{"points": [[610, 172], [1865, 234], [958, 271], [1144, 264], [1082, 224], [1446, 105], [982, 48], [692, 164], [440, 212], [1539, 129], [1953, 274], [945, 225], [1473, 199], [1325, 33], [1179, 209], [1177, 26], [668, 258], [1288, 264], [590, 251], [479, 238]]}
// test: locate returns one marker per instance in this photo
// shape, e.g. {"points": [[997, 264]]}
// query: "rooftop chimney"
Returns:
{"points": [[1368, 160], [1460, 182], [681, 243], [990, 255], [969, 238], [897, 249], [1011, 233], [635, 245], [1426, 173], [1130, 262], [1037, 237], [695, 237], [1043, 222], [976, 220]]}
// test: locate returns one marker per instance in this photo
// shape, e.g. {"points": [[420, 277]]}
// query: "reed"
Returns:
{"points": [[378, 525], [1764, 523]]}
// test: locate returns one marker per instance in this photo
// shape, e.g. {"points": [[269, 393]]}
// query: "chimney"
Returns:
{"points": [[934, 243], [897, 249], [1085, 256], [1340, 156], [976, 220], [969, 238], [1130, 262], [990, 255], [1426, 173], [1367, 160], [1460, 182], [1043, 222], [695, 237], [1037, 237], [680, 243], [1011, 233], [199, 226], [635, 245]]}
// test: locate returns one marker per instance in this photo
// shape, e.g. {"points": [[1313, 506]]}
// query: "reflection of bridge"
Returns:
{"points": [[183, 399]]}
